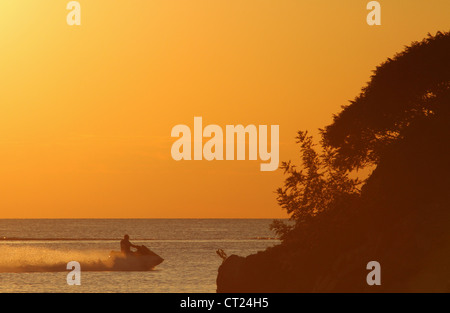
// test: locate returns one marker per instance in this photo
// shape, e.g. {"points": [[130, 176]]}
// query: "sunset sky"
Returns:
{"points": [[86, 111]]}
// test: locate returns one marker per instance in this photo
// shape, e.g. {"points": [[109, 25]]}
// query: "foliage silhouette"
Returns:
{"points": [[404, 92], [413, 84], [318, 187], [399, 216]]}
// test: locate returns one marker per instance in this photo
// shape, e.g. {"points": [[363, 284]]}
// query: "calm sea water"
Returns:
{"points": [[34, 253]]}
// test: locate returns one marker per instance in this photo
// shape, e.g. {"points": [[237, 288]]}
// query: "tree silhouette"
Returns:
{"points": [[412, 85], [406, 94], [399, 216], [318, 187]]}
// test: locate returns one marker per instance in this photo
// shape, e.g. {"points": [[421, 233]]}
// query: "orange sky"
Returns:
{"points": [[86, 111]]}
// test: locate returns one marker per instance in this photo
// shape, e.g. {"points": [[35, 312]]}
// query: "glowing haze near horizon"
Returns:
{"points": [[86, 112]]}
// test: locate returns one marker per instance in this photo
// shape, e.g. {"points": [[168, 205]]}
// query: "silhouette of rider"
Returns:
{"points": [[125, 245]]}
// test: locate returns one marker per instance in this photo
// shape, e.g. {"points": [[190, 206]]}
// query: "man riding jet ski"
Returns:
{"points": [[143, 259]]}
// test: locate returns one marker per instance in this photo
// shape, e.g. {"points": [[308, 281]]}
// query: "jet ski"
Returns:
{"points": [[143, 259]]}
